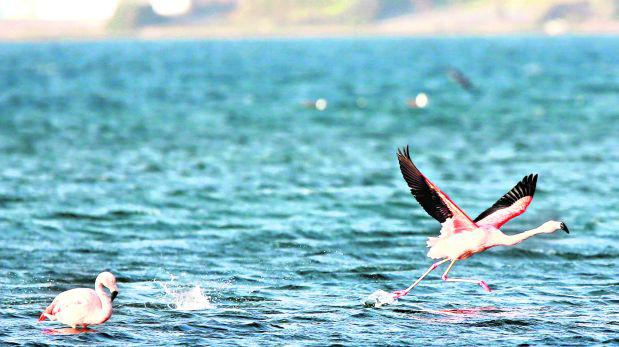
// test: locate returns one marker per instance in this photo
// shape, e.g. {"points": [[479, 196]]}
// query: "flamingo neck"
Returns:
{"points": [[106, 302], [510, 240]]}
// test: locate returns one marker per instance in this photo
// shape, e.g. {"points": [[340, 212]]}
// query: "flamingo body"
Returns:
{"points": [[463, 245], [79, 306], [83, 306]]}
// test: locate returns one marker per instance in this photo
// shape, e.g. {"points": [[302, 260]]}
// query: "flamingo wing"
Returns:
{"points": [[510, 205], [433, 200], [76, 302]]}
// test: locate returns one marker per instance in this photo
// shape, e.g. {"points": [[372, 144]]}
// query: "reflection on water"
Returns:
{"points": [[67, 331], [474, 311]]}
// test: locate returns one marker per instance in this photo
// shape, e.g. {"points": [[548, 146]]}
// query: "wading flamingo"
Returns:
{"points": [[84, 306], [460, 236]]}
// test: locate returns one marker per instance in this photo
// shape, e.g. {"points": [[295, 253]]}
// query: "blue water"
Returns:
{"points": [[184, 164]]}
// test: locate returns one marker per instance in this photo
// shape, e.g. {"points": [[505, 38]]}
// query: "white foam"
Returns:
{"points": [[379, 298], [180, 298]]}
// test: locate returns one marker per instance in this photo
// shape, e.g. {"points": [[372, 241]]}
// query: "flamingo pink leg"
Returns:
{"points": [[447, 279], [400, 293]]}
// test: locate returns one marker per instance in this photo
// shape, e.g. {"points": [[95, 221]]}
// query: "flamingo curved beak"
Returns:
{"points": [[114, 295], [564, 227]]}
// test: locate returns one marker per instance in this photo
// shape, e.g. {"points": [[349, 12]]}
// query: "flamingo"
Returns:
{"points": [[460, 236], [84, 306]]}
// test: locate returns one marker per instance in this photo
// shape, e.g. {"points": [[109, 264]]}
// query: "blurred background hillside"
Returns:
{"points": [[52, 19]]}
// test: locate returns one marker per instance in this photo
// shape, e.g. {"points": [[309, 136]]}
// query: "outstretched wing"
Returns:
{"points": [[510, 205], [436, 203]]}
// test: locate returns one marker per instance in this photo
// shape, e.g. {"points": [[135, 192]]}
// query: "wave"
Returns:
{"points": [[107, 214]]}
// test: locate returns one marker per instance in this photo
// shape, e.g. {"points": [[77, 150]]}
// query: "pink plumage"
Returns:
{"points": [[84, 306]]}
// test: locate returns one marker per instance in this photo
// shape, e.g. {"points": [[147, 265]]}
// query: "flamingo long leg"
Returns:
{"points": [[447, 279], [453, 262], [401, 293]]}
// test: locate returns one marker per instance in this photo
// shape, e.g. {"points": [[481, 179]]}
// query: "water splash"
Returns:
{"points": [[379, 298], [179, 298]]}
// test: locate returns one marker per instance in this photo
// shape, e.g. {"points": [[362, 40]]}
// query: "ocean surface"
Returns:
{"points": [[234, 212]]}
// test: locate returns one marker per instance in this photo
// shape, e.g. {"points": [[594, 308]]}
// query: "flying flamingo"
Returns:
{"points": [[84, 306], [460, 236]]}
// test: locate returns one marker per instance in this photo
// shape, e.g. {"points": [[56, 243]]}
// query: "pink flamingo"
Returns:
{"points": [[84, 306], [460, 236]]}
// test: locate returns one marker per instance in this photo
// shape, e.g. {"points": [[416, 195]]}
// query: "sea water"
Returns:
{"points": [[209, 160]]}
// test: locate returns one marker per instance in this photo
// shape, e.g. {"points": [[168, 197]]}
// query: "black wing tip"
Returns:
{"points": [[429, 200], [528, 184], [404, 152], [525, 187], [531, 177]]}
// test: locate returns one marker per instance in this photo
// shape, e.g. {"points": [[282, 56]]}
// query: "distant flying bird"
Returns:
{"points": [[84, 306], [460, 236], [460, 78]]}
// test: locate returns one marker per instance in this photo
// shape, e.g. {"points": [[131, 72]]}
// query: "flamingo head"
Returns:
{"points": [[108, 280], [564, 227], [552, 226]]}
